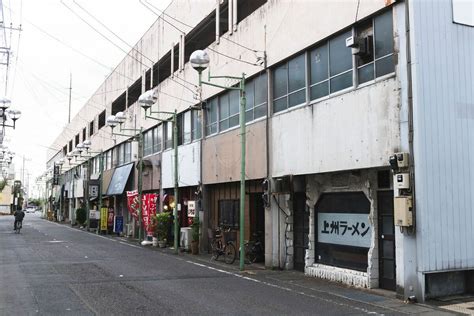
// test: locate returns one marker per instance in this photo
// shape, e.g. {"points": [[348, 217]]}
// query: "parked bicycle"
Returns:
{"points": [[253, 249], [222, 245]]}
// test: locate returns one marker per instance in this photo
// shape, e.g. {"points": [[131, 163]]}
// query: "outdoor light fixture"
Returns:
{"points": [[200, 60], [4, 103], [111, 121], [147, 99]]}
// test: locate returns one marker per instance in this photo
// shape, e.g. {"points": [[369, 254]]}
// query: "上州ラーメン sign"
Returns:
{"points": [[349, 229]]}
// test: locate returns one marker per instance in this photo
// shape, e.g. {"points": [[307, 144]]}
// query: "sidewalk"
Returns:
{"points": [[296, 281]]}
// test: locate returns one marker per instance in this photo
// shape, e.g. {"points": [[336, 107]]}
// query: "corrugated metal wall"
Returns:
{"points": [[443, 93]]}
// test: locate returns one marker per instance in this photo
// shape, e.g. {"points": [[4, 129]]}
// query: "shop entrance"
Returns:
{"points": [[301, 229], [386, 240], [257, 221]]}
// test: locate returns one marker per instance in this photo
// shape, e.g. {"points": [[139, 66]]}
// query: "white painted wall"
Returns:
{"points": [[355, 130], [189, 166]]}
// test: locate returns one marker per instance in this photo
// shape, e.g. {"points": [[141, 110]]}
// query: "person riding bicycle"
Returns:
{"points": [[19, 215]]}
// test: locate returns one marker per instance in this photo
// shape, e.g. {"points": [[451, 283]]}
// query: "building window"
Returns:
{"points": [[91, 128], [84, 134], [108, 160], [383, 25], [229, 213], [70, 145], [289, 84], [340, 63], [256, 94], [157, 138], [184, 128], [196, 124], [127, 152], [168, 135], [211, 116], [76, 140], [101, 120], [148, 143], [65, 151], [229, 109]]}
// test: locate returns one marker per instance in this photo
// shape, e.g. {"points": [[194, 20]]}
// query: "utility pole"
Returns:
{"points": [[70, 91]]}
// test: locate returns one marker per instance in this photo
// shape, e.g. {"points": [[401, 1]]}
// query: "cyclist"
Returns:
{"points": [[19, 215]]}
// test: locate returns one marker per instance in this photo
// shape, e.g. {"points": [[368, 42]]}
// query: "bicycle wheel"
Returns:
{"points": [[18, 227], [229, 253], [214, 249], [251, 254]]}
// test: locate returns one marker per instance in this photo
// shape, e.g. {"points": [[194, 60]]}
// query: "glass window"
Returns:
{"points": [[228, 213], [289, 84], [157, 138], [340, 63], [169, 135], [256, 94], [127, 152], [319, 64], [223, 112], [148, 143], [120, 154], [186, 127], [196, 124], [234, 107], [384, 63], [211, 117]]}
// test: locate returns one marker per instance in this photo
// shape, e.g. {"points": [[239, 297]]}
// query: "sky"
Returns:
{"points": [[53, 44]]}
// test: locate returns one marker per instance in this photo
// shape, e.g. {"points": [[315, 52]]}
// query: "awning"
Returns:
{"points": [[106, 178], [95, 176], [119, 180]]}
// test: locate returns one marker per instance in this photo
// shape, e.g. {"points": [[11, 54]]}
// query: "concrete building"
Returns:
{"points": [[334, 89]]}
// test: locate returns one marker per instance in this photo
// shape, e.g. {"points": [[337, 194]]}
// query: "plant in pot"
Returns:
{"points": [[195, 236], [162, 224]]}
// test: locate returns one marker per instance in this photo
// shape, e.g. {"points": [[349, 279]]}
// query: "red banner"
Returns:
{"points": [[148, 208]]}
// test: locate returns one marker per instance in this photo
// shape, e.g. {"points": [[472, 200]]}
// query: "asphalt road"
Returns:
{"points": [[52, 269]]}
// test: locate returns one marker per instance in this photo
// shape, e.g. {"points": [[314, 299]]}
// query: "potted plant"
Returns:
{"points": [[195, 236], [162, 224]]}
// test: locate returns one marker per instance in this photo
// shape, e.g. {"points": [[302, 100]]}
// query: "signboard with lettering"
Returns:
{"points": [[93, 189], [191, 208], [103, 218], [56, 174], [118, 224], [349, 229]]}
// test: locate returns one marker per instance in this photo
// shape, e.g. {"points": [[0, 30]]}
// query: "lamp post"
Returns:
{"points": [[199, 60], [118, 119], [86, 145], [146, 100]]}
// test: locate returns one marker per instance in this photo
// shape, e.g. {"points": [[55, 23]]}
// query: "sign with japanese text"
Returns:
{"points": [[148, 208], [103, 218], [349, 229], [191, 208], [93, 189], [133, 203], [56, 170]]}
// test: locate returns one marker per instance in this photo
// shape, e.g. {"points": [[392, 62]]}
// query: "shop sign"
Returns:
{"points": [[191, 208], [118, 224], [103, 218], [94, 214], [93, 189], [56, 175], [148, 208], [349, 229]]}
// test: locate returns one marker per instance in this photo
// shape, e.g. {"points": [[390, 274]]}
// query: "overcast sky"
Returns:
{"points": [[48, 52]]}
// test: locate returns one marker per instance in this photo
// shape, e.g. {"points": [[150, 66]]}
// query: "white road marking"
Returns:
{"points": [[124, 243]]}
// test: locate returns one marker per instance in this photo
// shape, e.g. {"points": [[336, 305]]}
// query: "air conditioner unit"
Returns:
{"points": [[362, 46]]}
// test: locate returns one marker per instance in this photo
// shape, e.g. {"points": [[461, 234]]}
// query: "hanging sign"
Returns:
{"points": [[118, 224], [93, 189], [349, 229], [191, 208]]}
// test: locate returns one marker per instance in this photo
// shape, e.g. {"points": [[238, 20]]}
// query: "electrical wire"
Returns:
{"points": [[164, 13]]}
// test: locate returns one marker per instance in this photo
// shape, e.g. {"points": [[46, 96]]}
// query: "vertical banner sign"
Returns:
{"points": [[103, 218], [56, 175], [110, 218], [93, 189], [149, 210], [133, 203], [118, 224], [191, 208]]}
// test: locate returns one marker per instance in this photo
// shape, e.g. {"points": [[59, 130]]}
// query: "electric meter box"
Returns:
{"points": [[403, 215], [401, 181], [402, 160]]}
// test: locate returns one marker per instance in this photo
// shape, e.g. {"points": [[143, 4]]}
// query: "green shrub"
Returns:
{"points": [[81, 216], [163, 221], [195, 229]]}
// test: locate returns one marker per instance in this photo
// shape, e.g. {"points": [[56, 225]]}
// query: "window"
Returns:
{"points": [[108, 159], [101, 119], [91, 128], [196, 124], [247, 7], [148, 143], [127, 152], [134, 92], [186, 127], [84, 134], [168, 134], [229, 213], [76, 140], [70, 145], [120, 155], [289, 84], [229, 109], [157, 138], [340, 63], [211, 117], [65, 151], [256, 93], [119, 104]]}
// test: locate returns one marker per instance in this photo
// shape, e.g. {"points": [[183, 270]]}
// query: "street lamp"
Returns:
{"points": [[146, 100], [118, 119], [8, 114], [200, 60]]}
